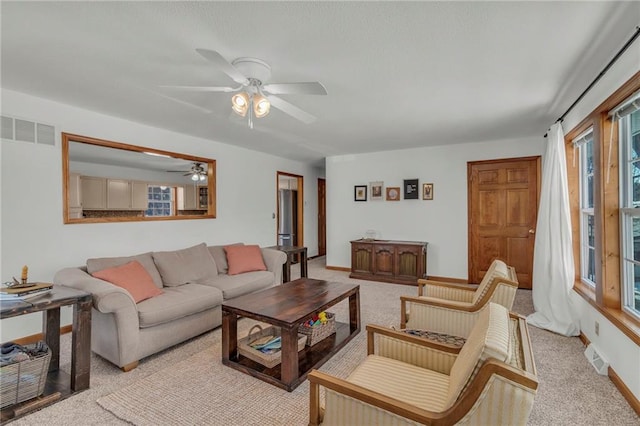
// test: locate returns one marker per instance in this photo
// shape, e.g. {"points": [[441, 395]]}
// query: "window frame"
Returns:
{"points": [[607, 295], [586, 209], [628, 212]]}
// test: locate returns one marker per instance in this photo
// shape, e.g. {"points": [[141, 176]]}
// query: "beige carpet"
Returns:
{"points": [[200, 390], [188, 385]]}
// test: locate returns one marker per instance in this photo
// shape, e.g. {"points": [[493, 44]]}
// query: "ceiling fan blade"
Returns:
{"points": [[306, 88], [224, 65], [203, 88], [291, 109]]}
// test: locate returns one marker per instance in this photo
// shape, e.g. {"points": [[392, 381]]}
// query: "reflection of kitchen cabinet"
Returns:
{"points": [[93, 193], [74, 190], [195, 197], [126, 195], [190, 197], [118, 194], [402, 262], [139, 195]]}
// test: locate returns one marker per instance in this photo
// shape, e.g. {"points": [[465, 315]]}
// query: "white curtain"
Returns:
{"points": [[553, 267]]}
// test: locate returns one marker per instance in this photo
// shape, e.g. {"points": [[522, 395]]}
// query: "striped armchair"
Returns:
{"points": [[454, 308], [490, 380]]}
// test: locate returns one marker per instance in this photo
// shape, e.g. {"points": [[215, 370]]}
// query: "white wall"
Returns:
{"points": [[32, 231], [442, 222]]}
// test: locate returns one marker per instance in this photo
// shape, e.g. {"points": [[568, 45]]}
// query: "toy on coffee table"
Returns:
{"points": [[318, 327]]}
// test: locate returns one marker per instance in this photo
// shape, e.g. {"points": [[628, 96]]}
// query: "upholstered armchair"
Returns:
{"points": [[453, 308], [490, 380]]}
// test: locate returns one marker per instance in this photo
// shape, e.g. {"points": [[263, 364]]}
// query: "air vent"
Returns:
{"points": [[28, 131], [7, 127], [596, 360]]}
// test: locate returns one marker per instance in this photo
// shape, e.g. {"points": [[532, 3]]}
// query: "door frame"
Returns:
{"points": [[299, 207], [470, 261], [322, 217]]}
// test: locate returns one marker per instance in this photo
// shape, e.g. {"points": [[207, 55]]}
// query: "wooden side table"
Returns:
{"points": [[291, 252], [59, 384]]}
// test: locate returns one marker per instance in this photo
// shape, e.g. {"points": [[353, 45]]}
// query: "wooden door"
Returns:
{"points": [[322, 217], [503, 206]]}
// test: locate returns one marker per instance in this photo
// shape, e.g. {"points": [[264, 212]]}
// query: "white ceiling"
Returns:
{"points": [[398, 74]]}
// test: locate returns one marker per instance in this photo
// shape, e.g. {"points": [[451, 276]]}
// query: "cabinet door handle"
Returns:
{"points": [[532, 231]]}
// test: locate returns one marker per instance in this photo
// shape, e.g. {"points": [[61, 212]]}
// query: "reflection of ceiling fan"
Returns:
{"points": [[197, 172], [255, 97]]}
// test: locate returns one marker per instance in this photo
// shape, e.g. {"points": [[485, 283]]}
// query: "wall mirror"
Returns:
{"points": [[105, 181]]}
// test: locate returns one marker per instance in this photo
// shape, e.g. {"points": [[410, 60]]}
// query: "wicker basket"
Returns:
{"points": [[266, 359], [23, 380], [317, 333]]}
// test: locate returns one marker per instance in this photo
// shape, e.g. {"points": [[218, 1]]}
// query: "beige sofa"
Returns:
{"points": [[194, 282]]}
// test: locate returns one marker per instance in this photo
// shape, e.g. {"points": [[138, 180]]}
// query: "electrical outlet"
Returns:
{"points": [[597, 328]]}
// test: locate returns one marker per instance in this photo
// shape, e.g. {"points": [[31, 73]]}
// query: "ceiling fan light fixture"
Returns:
{"points": [[202, 177], [194, 177], [261, 106], [240, 103]]}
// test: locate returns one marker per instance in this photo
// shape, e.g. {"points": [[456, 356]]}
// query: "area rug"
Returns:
{"points": [[199, 390]]}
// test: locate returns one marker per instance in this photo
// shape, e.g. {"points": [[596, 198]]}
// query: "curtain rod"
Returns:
{"points": [[603, 72]]}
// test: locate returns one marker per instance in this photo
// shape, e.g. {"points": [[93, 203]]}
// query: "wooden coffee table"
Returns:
{"points": [[287, 306]]}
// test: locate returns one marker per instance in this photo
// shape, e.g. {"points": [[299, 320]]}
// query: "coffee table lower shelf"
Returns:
{"points": [[309, 358]]}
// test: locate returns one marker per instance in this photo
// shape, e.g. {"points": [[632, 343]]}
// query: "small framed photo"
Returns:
{"points": [[376, 190], [393, 193], [427, 191], [360, 193], [411, 189]]}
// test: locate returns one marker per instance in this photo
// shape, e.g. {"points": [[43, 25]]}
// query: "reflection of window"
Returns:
{"points": [[584, 143], [630, 209], [161, 201]]}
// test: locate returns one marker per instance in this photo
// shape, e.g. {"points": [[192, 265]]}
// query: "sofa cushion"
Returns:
{"points": [[417, 386], [489, 338], [220, 256], [178, 302], [244, 259], [191, 265], [145, 259], [498, 269], [237, 285], [132, 277]]}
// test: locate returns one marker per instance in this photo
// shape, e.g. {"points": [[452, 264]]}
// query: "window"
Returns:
{"points": [[161, 201], [584, 143], [616, 207], [629, 137]]}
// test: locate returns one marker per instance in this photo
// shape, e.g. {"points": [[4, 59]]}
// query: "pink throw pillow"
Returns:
{"points": [[132, 277], [244, 259]]}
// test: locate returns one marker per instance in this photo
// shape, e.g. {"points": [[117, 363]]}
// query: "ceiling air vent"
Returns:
{"points": [[21, 130]]}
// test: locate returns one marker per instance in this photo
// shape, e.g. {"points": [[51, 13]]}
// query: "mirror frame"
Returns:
{"points": [[68, 137]]}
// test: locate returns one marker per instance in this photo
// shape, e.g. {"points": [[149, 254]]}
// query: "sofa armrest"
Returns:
{"points": [[274, 259], [107, 297]]}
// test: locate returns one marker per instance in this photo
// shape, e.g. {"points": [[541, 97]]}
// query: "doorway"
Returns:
{"points": [[290, 216], [503, 198], [322, 217]]}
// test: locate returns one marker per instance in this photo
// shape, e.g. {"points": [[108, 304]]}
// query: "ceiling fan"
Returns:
{"points": [[197, 172], [253, 95]]}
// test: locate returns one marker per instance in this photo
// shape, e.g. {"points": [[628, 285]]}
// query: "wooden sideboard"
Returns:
{"points": [[401, 262]]}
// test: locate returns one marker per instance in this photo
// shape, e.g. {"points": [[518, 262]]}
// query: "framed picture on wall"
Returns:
{"points": [[360, 193], [393, 193], [427, 191], [411, 189], [376, 190]]}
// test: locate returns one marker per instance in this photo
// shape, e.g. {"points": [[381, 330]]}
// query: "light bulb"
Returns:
{"points": [[194, 177], [240, 103], [261, 106], [202, 177]]}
